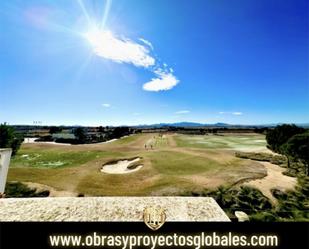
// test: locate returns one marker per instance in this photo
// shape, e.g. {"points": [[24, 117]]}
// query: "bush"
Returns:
{"points": [[294, 205], [247, 199], [9, 138], [264, 216], [17, 189], [264, 157]]}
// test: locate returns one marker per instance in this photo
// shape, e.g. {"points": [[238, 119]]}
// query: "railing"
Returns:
{"points": [[5, 157]]}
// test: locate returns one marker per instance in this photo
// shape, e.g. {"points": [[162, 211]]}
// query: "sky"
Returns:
{"points": [[120, 62]]}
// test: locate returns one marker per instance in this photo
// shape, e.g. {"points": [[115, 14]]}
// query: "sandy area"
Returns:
{"points": [[30, 140], [274, 180], [121, 167], [53, 143], [108, 141]]}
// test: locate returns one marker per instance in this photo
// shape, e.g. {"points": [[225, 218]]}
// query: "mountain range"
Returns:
{"points": [[219, 125]]}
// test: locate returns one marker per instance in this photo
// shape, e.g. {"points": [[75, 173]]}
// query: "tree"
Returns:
{"points": [[9, 138], [101, 129], [121, 131], [280, 135], [80, 134], [55, 129], [297, 147]]}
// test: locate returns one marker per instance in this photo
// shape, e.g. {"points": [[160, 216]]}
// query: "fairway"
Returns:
{"points": [[168, 164], [241, 142]]}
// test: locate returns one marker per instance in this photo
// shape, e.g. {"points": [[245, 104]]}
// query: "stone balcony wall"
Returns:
{"points": [[108, 208]]}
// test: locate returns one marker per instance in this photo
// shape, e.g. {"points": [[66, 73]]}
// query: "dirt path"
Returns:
{"points": [[274, 179]]}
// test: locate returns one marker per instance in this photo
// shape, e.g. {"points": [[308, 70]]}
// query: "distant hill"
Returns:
{"points": [[219, 125], [161, 125], [190, 124]]}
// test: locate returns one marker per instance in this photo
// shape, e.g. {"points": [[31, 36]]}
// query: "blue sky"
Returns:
{"points": [[115, 62]]}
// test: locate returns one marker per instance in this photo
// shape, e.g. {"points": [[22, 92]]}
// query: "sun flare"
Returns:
{"points": [[97, 38], [122, 50]]}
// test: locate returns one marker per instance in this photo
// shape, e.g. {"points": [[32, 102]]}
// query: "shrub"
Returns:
{"points": [[247, 199], [18, 189], [9, 138], [275, 159]]}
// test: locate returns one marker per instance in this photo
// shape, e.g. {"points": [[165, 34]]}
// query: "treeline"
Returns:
{"points": [[9, 138], [204, 130], [291, 141], [81, 135]]}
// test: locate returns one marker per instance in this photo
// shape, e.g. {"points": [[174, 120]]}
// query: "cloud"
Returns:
{"points": [[106, 105], [148, 43], [165, 81], [121, 50], [182, 112], [233, 113]]}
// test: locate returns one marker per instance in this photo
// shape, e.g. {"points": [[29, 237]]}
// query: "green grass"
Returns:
{"points": [[36, 158], [166, 168], [221, 142], [127, 140], [160, 142], [177, 163]]}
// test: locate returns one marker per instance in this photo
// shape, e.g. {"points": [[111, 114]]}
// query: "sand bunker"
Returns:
{"points": [[274, 180], [122, 167], [29, 140]]}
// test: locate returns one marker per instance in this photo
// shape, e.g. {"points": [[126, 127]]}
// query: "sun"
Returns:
{"points": [[103, 43], [97, 36], [94, 37]]}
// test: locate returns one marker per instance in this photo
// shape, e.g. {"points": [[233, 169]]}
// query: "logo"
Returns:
{"points": [[154, 217]]}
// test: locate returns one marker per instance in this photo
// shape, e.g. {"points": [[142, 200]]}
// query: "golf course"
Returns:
{"points": [[147, 164]]}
